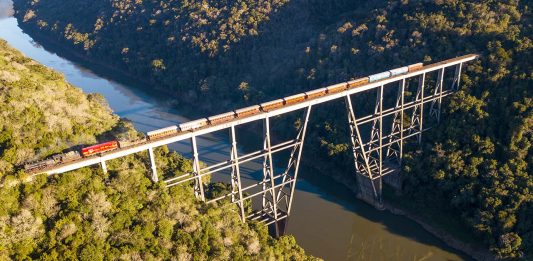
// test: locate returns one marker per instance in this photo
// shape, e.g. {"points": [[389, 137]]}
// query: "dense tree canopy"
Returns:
{"points": [[479, 162], [90, 215]]}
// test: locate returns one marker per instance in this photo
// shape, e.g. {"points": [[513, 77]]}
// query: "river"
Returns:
{"points": [[327, 220]]}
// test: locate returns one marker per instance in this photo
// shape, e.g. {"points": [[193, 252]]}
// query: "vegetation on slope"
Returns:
{"points": [[88, 215], [479, 164], [41, 113]]}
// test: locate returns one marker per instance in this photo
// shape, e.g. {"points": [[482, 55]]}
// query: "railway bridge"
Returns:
{"points": [[377, 136]]}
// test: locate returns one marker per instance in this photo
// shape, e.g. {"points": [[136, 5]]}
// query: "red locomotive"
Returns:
{"points": [[99, 148]]}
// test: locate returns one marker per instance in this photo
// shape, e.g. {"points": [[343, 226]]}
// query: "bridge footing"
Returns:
{"points": [[366, 191], [278, 229], [394, 180]]}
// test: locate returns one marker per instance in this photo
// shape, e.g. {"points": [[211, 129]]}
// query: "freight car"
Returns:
{"points": [[415, 67], [272, 105], [378, 76], [123, 143], [66, 157], [162, 132], [357, 82], [193, 125], [99, 148], [294, 98], [38, 165], [337, 88], [398, 71], [224, 117], [248, 111], [316, 93]]}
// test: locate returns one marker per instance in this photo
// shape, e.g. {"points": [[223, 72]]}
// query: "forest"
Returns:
{"points": [[477, 165], [90, 215]]}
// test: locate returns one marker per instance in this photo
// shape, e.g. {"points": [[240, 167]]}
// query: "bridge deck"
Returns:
{"points": [[88, 161]]}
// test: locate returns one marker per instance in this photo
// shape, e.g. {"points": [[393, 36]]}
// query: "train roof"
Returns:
{"points": [[357, 81], [415, 65], [271, 102], [194, 122], [399, 71], [222, 115], [299, 95], [170, 128], [378, 76], [342, 84], [316, 90], [253, 107]]}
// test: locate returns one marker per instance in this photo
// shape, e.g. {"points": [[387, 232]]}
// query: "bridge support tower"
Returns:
{"points": [[378, 156]]}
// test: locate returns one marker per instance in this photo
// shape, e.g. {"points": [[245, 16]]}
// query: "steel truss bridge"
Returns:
{"points": [[377, 136]]}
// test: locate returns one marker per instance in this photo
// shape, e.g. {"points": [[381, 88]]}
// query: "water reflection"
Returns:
{"points": [[6, 9], [327, 220]]}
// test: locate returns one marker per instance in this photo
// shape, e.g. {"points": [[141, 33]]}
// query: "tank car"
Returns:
{"points": [[378, 76], [398, 71]]}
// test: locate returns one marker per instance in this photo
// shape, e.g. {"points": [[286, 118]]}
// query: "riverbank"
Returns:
{"points": [[102, 68], [398, 205]]}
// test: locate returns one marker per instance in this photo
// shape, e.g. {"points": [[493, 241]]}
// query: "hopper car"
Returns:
{"points": [[316, 93], [224, 117], [357, 82], [271, 105], [337, 87], [294, 99], [248, 111], [415, 67]]}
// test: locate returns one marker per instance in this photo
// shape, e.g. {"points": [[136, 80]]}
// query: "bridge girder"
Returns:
{"points": [[377, 142]]}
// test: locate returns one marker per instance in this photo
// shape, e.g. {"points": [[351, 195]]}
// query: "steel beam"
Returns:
{"points": [[457, 77], [236, 174], [198, 184], [361, 161], [436, 105], [269, 201], [155, 179], [395, 149], [104, 166], [294, 162]]}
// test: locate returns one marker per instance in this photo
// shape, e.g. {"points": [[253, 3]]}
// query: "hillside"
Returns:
{"points": [[88, 215], [477, 166]]}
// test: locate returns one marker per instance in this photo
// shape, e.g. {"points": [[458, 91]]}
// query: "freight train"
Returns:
{"points": [[98, 149]]}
